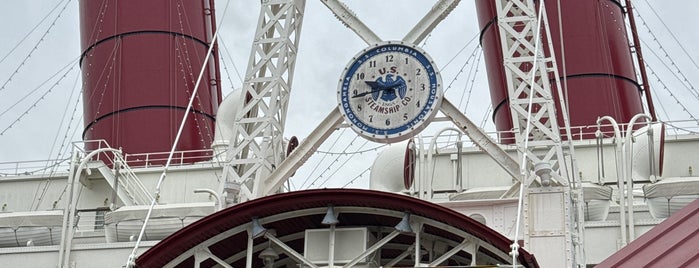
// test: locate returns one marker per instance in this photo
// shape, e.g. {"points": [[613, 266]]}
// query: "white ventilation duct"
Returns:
{"points": [[394, 168], [641, 147], [225, 118]]}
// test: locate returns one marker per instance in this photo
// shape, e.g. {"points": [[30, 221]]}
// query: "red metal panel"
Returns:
{"points": [[672, 243], [140, 62], [599, 69], [100, 20], [118, 128], [241, 214]]}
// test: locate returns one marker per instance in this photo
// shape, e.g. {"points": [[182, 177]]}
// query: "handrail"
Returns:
{"points": [[158, 158], [582, 132]]}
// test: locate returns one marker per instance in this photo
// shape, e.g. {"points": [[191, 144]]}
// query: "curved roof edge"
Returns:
{"points": [[198, 232]]}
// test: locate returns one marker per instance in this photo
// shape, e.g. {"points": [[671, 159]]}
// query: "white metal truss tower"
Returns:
{"points": [[551, 215], [257, 147]]}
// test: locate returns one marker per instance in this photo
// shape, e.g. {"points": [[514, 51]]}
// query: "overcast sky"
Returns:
{"points": [[325, 48]]}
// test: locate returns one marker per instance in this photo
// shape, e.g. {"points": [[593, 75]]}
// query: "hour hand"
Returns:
{"points": [[367, 92], [373, 84]]}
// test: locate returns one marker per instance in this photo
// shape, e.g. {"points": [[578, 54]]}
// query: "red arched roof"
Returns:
{"points": [[214, 224]]}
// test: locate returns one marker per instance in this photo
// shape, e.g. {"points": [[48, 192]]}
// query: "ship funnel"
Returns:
{"points": [[139, 69]]}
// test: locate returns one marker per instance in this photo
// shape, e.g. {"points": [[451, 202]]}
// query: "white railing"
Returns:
{"points": [[34, 167], [90, 220], [159, 158], [680, 127], [132, 185]]}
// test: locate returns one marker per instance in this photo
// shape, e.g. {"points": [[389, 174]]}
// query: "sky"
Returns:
{"points": [[34, 118]]}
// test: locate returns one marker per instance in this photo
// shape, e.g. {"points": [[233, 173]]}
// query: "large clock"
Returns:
{"points": [[390, 91]]}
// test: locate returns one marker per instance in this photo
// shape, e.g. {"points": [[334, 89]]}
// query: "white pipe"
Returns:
{"points": [[619, 174], [211, 192], [629, 170], [67, 231], [423, 169], [418, 255], [66, 213], [331, 247], [430, 152]]}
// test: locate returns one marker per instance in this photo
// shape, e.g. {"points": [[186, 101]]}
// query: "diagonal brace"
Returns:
{"points": [[439, 11], [349, 19]]}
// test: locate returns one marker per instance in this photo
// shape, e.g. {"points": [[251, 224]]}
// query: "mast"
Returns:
{"points": [[257, 138], [549, 211]]}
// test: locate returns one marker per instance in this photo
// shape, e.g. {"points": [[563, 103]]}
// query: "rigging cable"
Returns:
{"points": [[235, 68], [342, 165], [197, 123], [333, 162], [459, 52], [39, 86], [36, 46], [486, 115], [355, 178], [322, 159], [473, 72], [662, 107], [471, 76], [130, 263], [684, 108], [461, 70], [225, 69], [53, 166], [350, 153], [108, 70], [689, 56], [38, 100], [690, 89], [685, 82], [31, 31]]}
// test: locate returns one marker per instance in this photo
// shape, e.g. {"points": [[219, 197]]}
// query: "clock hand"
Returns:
{"points": [[368, 92], [375, 88]]}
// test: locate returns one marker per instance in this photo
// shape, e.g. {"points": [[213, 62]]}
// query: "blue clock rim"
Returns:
{"points": [[418, 120]]}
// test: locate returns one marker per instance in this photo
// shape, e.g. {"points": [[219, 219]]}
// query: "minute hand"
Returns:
{"points": [[375, 88], [368, 92]]}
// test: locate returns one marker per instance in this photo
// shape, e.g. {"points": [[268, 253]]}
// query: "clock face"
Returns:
{"points": [[389, 92]]}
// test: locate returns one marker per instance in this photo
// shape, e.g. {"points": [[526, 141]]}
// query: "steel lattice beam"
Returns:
{"points": [[517, 21], [537, 133], [257, 148]]}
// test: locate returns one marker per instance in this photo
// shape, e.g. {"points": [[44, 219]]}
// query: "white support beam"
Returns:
{"points": [[349, 19], [290, 251], [482, 140], [464, 244], [439, 11], [371, 249], [400, 257], [203, 254], [302, 152]]}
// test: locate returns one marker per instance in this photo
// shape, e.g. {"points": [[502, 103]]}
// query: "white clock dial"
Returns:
{"points": [[389, 92]]}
